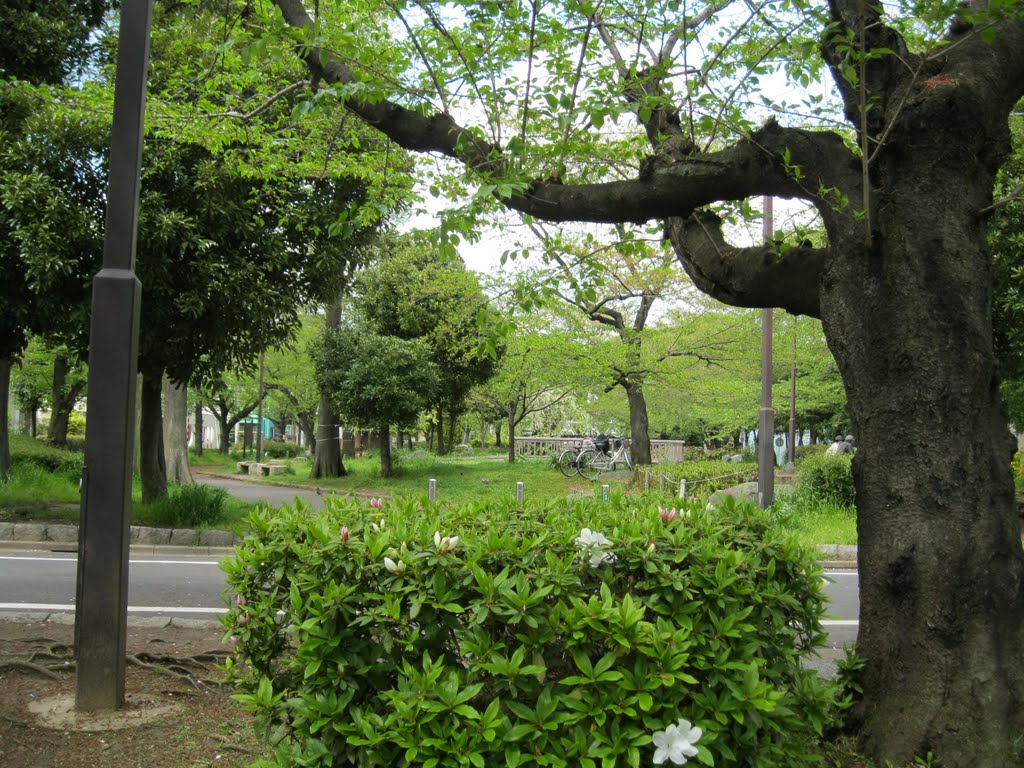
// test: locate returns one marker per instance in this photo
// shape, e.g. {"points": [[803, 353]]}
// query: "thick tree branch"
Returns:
{"points": [[761, 276], [667, 188]]}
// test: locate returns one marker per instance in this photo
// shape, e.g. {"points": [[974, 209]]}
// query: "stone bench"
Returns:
{"points": [[245, 467], [270, 469]]}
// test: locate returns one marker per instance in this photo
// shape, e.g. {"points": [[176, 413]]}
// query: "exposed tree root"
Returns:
{"points": [[29, 666]]}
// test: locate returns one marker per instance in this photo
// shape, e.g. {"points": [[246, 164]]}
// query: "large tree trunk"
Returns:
{"points": [[62, 401], [175, 441], [5, 438], [511, 432], [440, 432], [939, 548], [385, 451], [225, 430], [151, 433], [327, 461], [197, 433], [640, 449]]}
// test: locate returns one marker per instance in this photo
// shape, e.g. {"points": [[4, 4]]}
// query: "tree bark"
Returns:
{"points": [[197, 434], [512, 407], [152, 464], [327, 458], [439, 432], [62, 401], [497, 433], [386, 469], [5, 437], [327, 461], [640, 448], [175, 423], [939, 551]]}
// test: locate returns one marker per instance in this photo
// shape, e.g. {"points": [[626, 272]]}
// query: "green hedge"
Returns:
{"points": [[368, 636], [827, 477], [705, 477], [30, 450]]}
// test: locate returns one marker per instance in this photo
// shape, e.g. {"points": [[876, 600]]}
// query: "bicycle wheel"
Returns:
{"points": [[590, 464], [567, 463]]}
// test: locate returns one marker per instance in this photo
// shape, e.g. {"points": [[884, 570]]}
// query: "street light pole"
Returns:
{"points": [[101, 608], [766, 420]]}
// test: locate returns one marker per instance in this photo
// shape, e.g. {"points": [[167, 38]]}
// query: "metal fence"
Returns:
{"points": [[545, 447]]}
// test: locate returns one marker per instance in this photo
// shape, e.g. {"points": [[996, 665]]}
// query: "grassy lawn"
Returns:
{"points": [[459, 479], [33, 491]]}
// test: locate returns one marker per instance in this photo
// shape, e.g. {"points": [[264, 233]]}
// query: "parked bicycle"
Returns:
{"points": [[598, 460], [567, 459]]}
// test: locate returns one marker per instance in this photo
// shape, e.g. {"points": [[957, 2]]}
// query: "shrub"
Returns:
{"points": [[804, 451], [705, 477], [526, 641], [281, 449], [189, 506], [28, 449], [827, 477]]}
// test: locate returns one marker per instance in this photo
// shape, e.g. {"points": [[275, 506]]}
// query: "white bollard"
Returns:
{"points": [[682, 488], [519, 492], [604, 492], [432, 491]]}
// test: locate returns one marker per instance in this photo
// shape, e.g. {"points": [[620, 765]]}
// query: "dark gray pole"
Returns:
{"points": [[101, 611], [766, 421], [792, 401], [259, 416]]}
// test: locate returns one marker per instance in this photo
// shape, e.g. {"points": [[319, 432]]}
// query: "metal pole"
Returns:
{"points": [[766, 420], [101, 611], [792, 402], [259, 416]]}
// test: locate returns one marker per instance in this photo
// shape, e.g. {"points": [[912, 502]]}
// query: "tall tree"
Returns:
{"points": [[375, 380], [902, 286], [45, 43], [413, 290]]}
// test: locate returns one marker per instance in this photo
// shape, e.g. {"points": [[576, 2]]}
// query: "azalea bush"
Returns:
{"points": [[578, 633]]}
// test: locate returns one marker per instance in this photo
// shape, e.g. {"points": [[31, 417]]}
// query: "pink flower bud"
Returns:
{"points": [[345, 535], [376, 503], [240, 600], [243, 619]]}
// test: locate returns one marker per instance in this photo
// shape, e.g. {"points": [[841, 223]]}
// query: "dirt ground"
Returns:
{"points": [[177, 715]]}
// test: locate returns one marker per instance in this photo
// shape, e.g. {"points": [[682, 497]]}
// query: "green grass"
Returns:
{"points": [[33, 490], [459, 479], [30, 484], [814, 520]]}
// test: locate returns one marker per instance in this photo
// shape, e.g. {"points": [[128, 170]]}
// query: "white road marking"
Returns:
{"points": [[59, 607], [840, 623], [130, 562]]}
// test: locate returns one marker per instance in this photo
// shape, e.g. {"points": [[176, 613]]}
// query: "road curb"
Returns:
{"points": [[57, 617], [134, 549]]}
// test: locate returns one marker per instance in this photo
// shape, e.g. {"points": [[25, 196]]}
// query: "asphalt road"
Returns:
{"points": [[193, 587], [257, 492]]}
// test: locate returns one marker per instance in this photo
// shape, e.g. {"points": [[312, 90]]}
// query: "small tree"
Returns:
{"points": [[376, 380]]}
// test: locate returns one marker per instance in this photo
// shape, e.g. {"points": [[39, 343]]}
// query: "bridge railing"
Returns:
{"points": [[545, 447]]}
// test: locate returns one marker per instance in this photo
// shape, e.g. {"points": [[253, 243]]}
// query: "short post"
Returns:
{"points": [[519, 492], [682, 488], [432, 490], [663, 482], [647, 480], [604, 492]]}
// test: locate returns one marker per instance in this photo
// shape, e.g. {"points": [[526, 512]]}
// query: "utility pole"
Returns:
{"points": [[259, 415], [101, 607], [766, 420], [792, 401]]}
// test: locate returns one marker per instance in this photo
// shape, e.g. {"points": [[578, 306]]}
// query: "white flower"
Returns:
{"points": [[444, 544], [396, 568], [377, 527], [676, 742], [590, 543], [588, 539]]}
